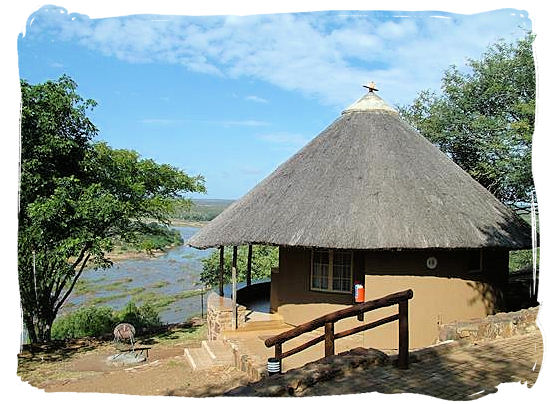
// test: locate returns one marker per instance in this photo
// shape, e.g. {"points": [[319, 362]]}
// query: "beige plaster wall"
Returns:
{"points": [[436, 301], [453, 291]]}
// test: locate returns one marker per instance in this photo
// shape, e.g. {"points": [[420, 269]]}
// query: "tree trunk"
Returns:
{"points": [[39, 330], [29, 324], [45, 327]]}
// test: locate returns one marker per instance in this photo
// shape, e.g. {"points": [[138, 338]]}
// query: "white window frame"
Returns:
{"points": [[330, 272]]}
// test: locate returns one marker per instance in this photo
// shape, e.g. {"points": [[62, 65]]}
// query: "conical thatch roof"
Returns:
{"points": [[368, 181]]}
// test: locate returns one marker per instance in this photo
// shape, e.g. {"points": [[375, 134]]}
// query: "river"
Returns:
{"points": [[167, 275]]}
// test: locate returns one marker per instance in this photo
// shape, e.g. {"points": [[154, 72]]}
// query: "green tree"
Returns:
{"points": [[263, 259], [76, 196], [484, 118]]}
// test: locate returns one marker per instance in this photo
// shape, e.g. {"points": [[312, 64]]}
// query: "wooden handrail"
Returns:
{"points": [[351, 311], [328, 320]]}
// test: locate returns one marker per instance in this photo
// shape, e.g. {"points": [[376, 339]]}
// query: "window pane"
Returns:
{"points": [[320, 273], [341, 271]]}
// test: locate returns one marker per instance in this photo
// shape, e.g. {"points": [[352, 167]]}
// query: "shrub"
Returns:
{"points": [[140, 317], [95, 321], [89, 321]]}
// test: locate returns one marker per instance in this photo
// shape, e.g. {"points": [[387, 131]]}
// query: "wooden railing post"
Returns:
{"points": [[278, 351], [329, 339], [403, 356]]}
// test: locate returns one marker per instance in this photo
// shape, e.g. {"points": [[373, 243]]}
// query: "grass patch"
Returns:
{"points": [[160, 284], [186, 332], [116, 285], [89, 286], [160, 301], [84, 287], [117, 296]]}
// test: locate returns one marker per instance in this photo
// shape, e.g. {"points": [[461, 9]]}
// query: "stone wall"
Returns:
{"points": [[219, 315], [490, 327]]}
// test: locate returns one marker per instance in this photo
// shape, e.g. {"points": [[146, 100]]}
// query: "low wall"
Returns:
{"points": [[219, 316], [490, 327]]}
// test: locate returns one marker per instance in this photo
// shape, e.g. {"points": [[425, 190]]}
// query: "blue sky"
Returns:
{"points": [[232, 97]]}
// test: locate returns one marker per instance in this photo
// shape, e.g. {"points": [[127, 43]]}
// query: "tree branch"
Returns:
{"points": [[76, 277], [61, 285]]}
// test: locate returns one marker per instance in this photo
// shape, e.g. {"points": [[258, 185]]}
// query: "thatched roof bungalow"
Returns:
{"points": [[371, 200]]}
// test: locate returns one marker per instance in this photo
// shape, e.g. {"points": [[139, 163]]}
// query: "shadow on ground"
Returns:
{"points": [[451, 371]]}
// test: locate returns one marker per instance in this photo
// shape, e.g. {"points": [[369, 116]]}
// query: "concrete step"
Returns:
{"points": [[198, 358], [263, 325], [252, 315], [220, 352]]}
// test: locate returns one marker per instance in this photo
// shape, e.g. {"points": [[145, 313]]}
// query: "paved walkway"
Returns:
{"points": [[449, 371], [460, 374]]}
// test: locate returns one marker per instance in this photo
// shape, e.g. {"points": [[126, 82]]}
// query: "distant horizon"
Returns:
{"points": [[212, 199]]}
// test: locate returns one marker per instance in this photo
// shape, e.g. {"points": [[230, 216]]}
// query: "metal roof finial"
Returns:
{"points": [[371, 86]]}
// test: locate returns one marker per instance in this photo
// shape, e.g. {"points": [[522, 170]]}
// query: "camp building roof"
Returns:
{"points": [[368, 181]]}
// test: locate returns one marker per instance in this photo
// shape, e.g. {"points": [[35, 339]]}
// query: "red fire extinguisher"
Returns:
{"points": [[359, 292]]}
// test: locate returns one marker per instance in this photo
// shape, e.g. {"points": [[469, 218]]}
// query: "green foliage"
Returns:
{"points": [[85, 322], [144, 316], [158, 237], [201, 210], [263, 259], [96, 321], [484, 118], [522, 260], [77, 196]]}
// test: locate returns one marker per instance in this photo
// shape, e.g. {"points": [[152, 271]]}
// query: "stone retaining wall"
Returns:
{"points": [[490, 327], [219, 316]]}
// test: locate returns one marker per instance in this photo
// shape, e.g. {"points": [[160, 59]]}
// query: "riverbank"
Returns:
{"points": [[119, 255], [187, 223]]}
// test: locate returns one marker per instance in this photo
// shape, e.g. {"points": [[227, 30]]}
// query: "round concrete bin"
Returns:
{"points": [[126, 358]]}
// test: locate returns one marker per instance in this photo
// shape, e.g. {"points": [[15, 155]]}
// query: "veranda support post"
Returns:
{"points": [[249, 266], [221, 271], [234, 287]]}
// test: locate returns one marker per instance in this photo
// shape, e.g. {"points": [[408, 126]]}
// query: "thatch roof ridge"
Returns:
{"points": [[368, 181]]}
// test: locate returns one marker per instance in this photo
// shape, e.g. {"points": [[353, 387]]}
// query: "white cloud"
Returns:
{"points": [[324, 55], [255, 98], [249, 122]]}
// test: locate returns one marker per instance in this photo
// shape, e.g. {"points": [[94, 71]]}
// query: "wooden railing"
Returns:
{"points": [[327, 321]]}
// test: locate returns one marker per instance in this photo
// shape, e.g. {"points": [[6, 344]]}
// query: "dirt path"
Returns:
{"points": [[166, 372]]}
